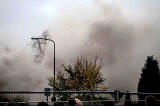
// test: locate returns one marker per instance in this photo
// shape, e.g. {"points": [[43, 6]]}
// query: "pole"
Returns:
{"points": [[53, 59]]}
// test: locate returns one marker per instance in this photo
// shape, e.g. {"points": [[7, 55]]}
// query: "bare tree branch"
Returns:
{"points": [[39, 46]]}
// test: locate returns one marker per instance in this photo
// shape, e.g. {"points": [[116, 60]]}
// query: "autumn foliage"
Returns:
{"points": [[84, 74]]}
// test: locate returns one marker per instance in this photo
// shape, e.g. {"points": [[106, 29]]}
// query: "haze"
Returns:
{"points": [[124, 32]]}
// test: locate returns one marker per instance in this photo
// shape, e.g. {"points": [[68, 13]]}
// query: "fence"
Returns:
{"points": [[103, 97]]}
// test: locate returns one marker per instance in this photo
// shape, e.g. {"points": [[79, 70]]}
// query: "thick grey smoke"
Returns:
{"points": [[103, 30], [98, 29], [19, 72]]}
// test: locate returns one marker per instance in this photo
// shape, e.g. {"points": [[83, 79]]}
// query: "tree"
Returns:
{"points": [[150, 77], [39, 46], [82, 75]]}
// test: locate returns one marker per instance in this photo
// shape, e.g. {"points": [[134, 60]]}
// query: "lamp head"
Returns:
{"points": [[33, 38]]}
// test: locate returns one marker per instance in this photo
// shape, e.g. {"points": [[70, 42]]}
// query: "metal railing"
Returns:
{"points": [[34, 97]]}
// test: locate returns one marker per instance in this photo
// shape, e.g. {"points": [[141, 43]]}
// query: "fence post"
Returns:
{"points": [[116, 96]]}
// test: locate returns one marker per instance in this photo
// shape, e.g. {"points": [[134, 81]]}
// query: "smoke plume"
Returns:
{"points": [[19, 72], [103, 30], [98, 29]]}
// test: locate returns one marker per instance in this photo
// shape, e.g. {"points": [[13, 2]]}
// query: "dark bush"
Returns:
{"points": [[12, 104], [42, 104]]}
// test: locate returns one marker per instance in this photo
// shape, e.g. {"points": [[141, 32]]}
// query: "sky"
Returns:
{"points": [[123, 31], [22, 19]]}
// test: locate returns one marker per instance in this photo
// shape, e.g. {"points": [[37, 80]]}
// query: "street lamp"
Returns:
{"points": [[36, 38]]}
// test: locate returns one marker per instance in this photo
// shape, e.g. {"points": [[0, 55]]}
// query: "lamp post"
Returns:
{"points": [[36, 38]]}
